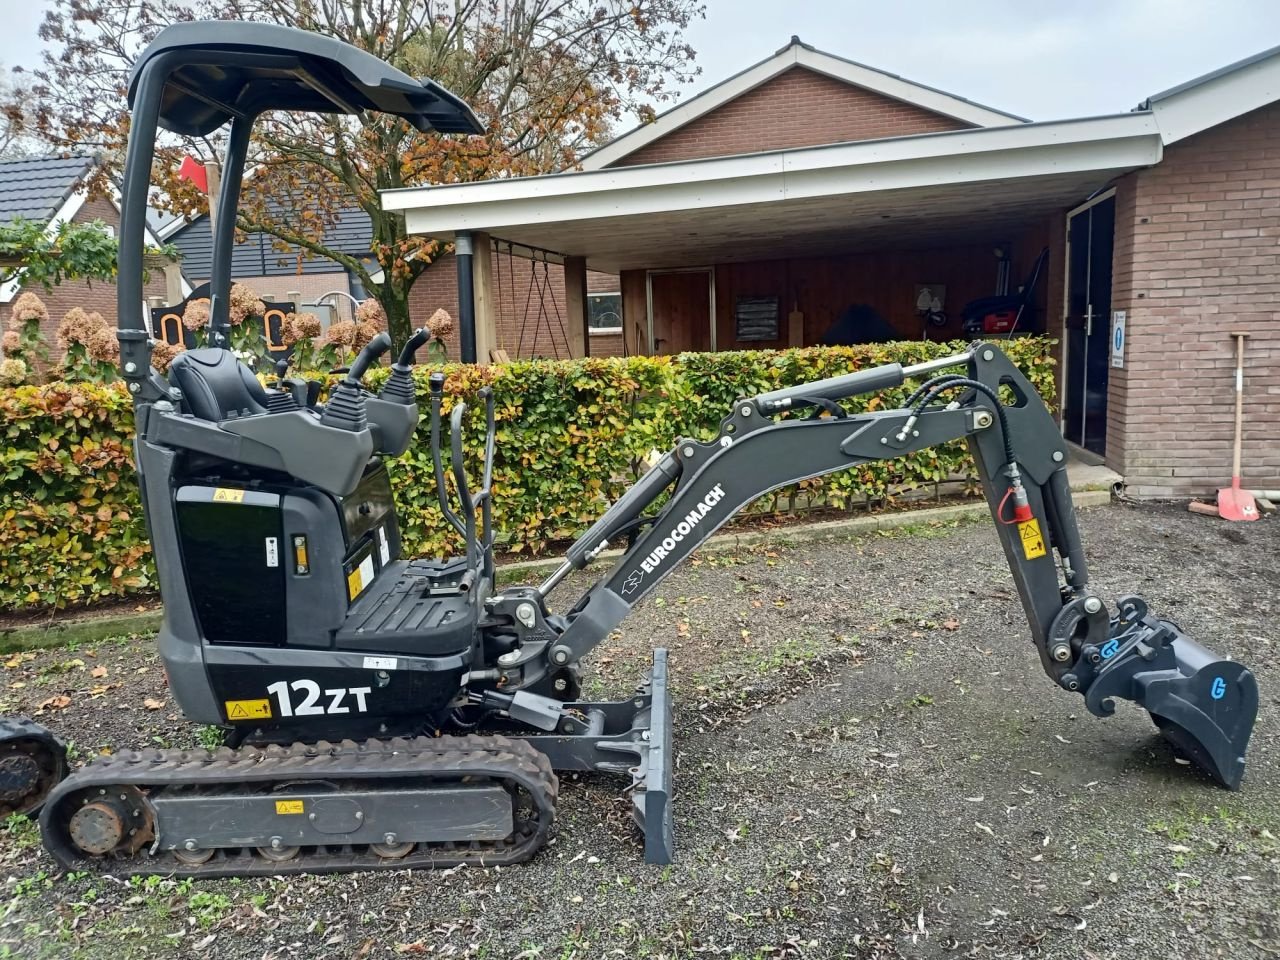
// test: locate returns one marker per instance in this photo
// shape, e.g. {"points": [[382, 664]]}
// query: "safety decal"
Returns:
{"points": [[1110, 648], [288, 806], [359, 578], [1032, 539], [228, 495], [1219, 688], [248, 709]]}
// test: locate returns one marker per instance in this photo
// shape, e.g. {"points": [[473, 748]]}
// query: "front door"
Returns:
{"points": [[1087, 327], [680, 304]]}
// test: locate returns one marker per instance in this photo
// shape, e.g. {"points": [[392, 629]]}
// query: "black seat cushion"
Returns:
{"points": [[216, 386]]}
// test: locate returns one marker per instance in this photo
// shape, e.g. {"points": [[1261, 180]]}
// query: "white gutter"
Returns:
{"points": [[1126, 140]]}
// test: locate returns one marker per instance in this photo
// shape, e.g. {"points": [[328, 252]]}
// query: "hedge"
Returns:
{"points": [[570, 434]]}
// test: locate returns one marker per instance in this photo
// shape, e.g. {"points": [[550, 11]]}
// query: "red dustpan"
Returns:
{"points": [[1234, 503]]}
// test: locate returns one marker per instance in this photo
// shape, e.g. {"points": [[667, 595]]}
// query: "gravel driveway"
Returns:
{"points": [[870, 764]]}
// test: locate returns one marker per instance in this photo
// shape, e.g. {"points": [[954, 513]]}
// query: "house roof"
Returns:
{"points": [[36, 188], [1217, 96], [351, 233], [798, 54], [921, 190]]}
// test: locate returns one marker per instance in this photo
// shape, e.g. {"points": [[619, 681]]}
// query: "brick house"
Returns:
{"points": [[50, 190], [774, 206]]}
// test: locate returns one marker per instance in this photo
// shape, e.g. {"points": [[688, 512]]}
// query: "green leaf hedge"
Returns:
{"points": [[570, 436]]}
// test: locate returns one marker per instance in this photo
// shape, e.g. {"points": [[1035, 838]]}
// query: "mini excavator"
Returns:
{"points": [[388, 712]]}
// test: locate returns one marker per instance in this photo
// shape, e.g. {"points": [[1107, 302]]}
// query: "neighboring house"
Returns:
{"points": [[275, 273], [50, 190], [531, 305], [761, 211]]}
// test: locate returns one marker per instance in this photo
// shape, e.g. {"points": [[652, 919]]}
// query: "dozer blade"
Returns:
{"points": [[1204, 705]]}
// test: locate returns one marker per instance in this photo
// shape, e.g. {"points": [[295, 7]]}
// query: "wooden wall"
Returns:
{"points": [[822, 288]]}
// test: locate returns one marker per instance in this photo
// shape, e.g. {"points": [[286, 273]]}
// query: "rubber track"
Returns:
{"points": [[509, 761], [43, 747]]}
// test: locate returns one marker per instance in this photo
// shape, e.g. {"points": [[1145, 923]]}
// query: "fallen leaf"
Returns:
{"points": [[951, 623], [98, 672], [1177, 848], [151, 703], [60, 702]]}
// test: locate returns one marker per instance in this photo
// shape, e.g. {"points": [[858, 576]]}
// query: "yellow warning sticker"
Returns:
{"points": [[1032, 539], [354, 584], [288, 806], [248, 709], [228, 495]]}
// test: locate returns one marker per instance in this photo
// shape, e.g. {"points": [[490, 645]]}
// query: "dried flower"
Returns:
{"points": [[163, 352], [78, 326], [242, 304], [102, 345], [300, 326], [342, 333], [370, 311], [12, 372], [364, 333], [440, 324], [196, 316], [26, 308], [11, 342]]}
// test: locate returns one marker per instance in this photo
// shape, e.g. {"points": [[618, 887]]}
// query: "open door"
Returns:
{"points": [[1087, 326], [682, 310]]}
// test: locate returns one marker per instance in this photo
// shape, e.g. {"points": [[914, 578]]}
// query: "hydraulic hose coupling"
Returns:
{"points": [[1021, 506]]}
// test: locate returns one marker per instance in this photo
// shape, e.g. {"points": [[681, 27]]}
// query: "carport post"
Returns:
{"points": [[462, 247], [575, 298], [484, 297]]}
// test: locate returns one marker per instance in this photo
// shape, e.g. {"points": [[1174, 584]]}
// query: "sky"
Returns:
{"points": [[1041, 59]]}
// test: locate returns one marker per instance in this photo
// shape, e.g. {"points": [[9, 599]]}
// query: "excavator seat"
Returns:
{"points": [[216, 386]]}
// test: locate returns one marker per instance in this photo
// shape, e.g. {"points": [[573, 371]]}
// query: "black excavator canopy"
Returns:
{"points": [[243, 69]]}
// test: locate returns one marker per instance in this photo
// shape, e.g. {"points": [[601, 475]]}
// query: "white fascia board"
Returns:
{"points": [[1123, 141], [795, 55], [1187, 111], [70, 207]]}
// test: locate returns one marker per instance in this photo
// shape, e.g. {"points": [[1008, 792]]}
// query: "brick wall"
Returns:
{"points": [[1196, 258], [96, 295], [798, 108], [532, 321]]}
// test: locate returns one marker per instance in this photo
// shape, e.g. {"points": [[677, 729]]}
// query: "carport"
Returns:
{"points": [[766, 250]]}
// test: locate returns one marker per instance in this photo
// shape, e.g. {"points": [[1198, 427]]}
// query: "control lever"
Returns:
{"points": [[345, 409], [399, 386], [374, 349], [436, 385]]}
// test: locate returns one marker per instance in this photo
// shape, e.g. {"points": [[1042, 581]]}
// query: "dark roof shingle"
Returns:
{"points": [[350, 233], [34, 188]]}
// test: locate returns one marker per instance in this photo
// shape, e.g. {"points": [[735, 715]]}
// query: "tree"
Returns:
{"points": [[548, 78]]}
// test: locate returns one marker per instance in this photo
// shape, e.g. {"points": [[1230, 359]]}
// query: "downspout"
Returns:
{"points": [[463, 248]]}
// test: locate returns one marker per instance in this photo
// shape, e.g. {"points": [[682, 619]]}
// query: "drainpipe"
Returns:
{"points": [[462, 248]]}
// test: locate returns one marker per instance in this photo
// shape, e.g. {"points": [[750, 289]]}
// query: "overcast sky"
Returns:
{"points": [[1042, 59]]}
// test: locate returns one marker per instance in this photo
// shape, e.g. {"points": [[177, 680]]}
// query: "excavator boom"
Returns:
{"points": [[1204, 704]]}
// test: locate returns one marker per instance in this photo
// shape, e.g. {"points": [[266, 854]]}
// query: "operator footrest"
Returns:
{"points": [[412, 607]]}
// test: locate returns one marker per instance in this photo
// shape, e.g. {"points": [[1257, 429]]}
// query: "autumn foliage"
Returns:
{"points": [[547, 80], [569, 436]]}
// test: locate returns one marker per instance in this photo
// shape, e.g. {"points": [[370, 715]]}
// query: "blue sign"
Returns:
{"points": [[1219, 688], [1109, 649]]}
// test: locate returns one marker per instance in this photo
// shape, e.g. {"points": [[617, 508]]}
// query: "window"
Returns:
{"points": [[604, 312], [756, 318]]}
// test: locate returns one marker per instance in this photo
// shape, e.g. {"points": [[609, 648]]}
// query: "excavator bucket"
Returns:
{"points": [[1204, 705]]}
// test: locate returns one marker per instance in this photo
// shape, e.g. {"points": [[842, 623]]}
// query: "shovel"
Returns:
{"points": [[1234, 503]]}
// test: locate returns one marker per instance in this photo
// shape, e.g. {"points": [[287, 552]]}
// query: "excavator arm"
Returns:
{"points": [[1204, 704]]}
